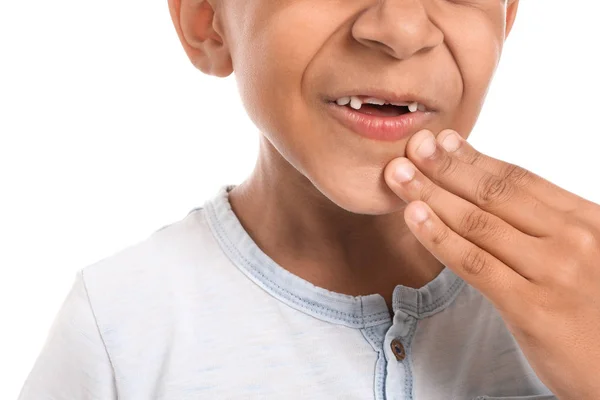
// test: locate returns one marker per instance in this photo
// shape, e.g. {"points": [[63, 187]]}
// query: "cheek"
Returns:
{"points": [[478, 71], [271, 73], [477, 49], [476, 52], [276, 48]]}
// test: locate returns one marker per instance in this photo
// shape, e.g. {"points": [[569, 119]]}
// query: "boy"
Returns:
{"points": [[316, 278]]}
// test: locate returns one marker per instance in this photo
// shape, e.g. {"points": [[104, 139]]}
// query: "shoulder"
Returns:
{"points": [[166, 253], [163, 271]]}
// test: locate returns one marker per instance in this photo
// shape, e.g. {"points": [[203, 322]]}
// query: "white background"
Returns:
{"points": [[107, 133]]}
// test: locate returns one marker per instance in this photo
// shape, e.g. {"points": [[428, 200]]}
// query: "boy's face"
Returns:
{"points": [[293, 58]]}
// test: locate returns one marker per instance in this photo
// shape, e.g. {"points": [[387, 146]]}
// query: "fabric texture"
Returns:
{"points": [[198, 311]]}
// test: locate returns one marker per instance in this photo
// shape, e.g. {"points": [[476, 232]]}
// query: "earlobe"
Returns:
{"points": [[511, 14], [206, 49]]}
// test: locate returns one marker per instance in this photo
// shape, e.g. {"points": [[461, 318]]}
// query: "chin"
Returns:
{"points": [[364, 195]]}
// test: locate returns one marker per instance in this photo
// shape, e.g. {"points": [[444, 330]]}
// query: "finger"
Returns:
{"points": [[548, 192], [511, 246], [503, 286], [489, 192]]}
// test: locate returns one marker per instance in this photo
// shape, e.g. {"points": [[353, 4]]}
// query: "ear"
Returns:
{"points": [[511, 13], [194, 22]]}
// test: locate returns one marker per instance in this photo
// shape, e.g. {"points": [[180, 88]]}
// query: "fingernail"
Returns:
{"points": [[452, 142], [427, 147], [404, 172], [419, 215]]}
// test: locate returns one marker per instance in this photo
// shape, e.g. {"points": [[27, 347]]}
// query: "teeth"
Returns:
{"points": [[355, 102], [343, 101], [373, 100]]}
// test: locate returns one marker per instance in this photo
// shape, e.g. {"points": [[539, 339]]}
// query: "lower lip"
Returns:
{"points": [[379, 128]]}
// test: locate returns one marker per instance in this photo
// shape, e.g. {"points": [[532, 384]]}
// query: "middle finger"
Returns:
{"points": [[489, 232], [488, 191]]}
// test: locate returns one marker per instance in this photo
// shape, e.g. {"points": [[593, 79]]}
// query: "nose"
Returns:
{"points": [[400, 28]]}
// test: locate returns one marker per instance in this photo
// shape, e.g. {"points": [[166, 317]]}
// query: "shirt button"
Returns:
{"points": [[398, 349]]}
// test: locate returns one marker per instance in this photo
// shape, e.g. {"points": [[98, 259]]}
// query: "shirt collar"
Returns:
{"points": [[351, 311]]}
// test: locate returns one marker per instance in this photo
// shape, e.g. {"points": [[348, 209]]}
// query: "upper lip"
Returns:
{"points": [[387, 95]]}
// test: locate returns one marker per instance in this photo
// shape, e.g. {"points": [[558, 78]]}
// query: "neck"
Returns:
{"points": [[322, 243]]}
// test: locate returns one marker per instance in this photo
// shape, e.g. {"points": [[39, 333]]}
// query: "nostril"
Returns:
{"points": [[378, 45]]}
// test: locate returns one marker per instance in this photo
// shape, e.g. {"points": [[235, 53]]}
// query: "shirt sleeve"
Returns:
{"points": [[74, 363]]}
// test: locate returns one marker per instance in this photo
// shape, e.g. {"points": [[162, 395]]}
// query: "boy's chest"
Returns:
{"points": [[271, 361]]}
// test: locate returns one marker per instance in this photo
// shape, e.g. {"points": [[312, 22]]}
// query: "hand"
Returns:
{"points": [[529, 246]]}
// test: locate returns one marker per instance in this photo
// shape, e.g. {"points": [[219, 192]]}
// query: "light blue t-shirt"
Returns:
{"points": [[198, 311]]}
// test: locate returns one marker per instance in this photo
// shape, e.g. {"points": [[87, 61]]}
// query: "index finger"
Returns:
{"points": [[551, 194]]}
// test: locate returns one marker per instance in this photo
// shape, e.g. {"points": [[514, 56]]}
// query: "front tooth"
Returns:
{"points": [[355, 102], [342, 101], [413, 107], [421, 107], [373, 100]]}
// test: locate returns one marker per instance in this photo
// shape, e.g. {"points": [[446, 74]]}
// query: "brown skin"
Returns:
{"points": [[529, 246], [344, 228]]}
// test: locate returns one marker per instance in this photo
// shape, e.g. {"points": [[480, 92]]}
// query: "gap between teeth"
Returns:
{"points": [[356, 103]]}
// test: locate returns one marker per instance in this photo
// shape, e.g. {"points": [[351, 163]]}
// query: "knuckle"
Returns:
{"points": [[427, 192], [516, 175], [475, 223], [542, 300], [573, 249], [566, 276], [475, 262], [440, 236], [474, 158], [447, 166], [583, 238], [493, 190]]}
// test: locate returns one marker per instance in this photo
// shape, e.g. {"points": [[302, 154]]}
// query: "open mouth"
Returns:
{"points": [[380, 119], [379, 107], [386, 110]]}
